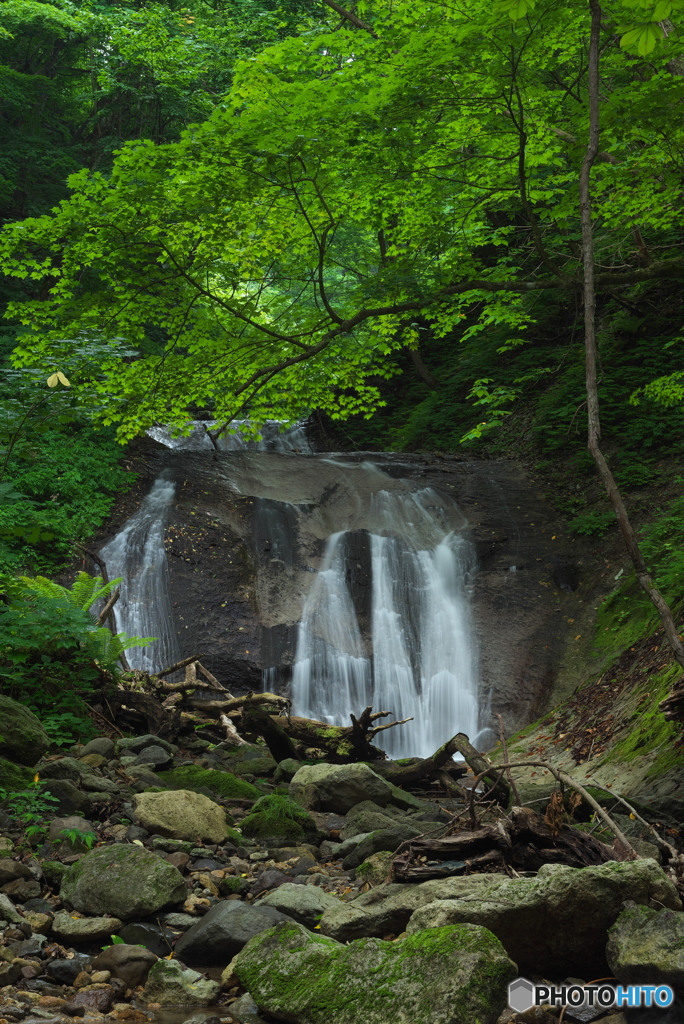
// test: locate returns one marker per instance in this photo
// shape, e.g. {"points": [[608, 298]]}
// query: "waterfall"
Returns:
{"points": [[137, 552], [385, 621], [332, 672], [418, 660], [273, 437], [144, 608]]}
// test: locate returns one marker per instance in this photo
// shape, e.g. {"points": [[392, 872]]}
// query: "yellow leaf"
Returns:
{"points": [[63, 379], [53, 380]]}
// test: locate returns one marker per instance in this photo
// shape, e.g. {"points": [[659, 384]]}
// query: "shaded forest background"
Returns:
{"points": [[78, 81]]}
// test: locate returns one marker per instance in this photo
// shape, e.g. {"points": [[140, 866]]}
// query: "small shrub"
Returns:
{"points": [[591, 524], [277, 816]]}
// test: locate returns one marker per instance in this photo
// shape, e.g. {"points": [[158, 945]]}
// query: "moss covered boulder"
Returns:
{"points": [[279, 819], [557, 922], [14, 777], [646, 947], [180, 814], [170, 983], [338, 787], [456, 975], [224, 784], [22, 737], [127, 882]]}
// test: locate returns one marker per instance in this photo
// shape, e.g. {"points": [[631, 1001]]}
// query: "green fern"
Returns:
{"points": [[107, 647], [85, 591], [102, 645]]}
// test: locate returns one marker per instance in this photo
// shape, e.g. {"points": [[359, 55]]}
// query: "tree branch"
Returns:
{"points": [[348, 16]]}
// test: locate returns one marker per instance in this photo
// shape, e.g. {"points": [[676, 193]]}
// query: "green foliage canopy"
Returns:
{"points": [[356, 182]]}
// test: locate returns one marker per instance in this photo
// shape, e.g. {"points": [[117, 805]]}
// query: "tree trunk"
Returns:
{"points": [[594, 423]]}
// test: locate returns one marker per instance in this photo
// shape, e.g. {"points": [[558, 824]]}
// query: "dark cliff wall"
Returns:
{"points": [[246, 534]]}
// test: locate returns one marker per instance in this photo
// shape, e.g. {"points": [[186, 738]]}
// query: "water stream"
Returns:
{"points": [[385, 620], [418, 660], [137, 554]]}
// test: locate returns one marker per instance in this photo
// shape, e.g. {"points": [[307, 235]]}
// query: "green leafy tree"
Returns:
{"points": [[405, 164]]}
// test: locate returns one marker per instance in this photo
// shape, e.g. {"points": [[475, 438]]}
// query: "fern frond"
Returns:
{"points": [[44, 587], [86, 590], [107, 647]]}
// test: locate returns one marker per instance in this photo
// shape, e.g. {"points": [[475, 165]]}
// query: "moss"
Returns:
{"points": [[649, 730], [53, 870], [221, 783], [623, 618], [255, 766], [234, 837], [287, 970], [233, 885], [14, 777], [277, 816]]}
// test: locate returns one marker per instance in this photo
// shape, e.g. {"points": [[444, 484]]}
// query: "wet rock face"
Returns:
{"points": [[246, 534]]}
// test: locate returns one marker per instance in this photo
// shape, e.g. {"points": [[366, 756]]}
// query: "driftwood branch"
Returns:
{"points": [[235, 703], [523, 840], [504, 750], [661, 843], [255, 719], [107, 610], [176, 666], [94, 557], [567, 781]]}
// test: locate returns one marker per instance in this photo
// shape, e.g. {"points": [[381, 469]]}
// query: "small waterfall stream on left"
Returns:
{"points": [[137, 554]]}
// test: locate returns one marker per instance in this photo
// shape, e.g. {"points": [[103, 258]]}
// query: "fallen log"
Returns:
{"points": [[132, 710], [523, 841], [255, 719]]}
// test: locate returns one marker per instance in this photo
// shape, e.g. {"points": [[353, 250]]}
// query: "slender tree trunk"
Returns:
{"points": [[594, 422]]}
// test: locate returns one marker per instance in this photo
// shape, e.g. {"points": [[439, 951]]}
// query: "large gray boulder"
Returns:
{"points": [[180, 814], [646, 947], [127, 882], [451, 975], [389, 908], [68, 768], [385, 839], [223, 931], [338, 787], [101, 745], [22, 737], [303, 903], [135, 744], [556, 923], [366, 817], [68, 929], [172, 984], [131, 964], [70, 800]]}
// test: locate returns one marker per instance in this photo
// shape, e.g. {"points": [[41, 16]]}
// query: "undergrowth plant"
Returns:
{"points": [[53, 653]]}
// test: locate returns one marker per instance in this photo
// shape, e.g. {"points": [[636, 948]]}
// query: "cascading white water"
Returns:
{"points": [[332, 672], [137, 554], [273, 437], [421, 663]]}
